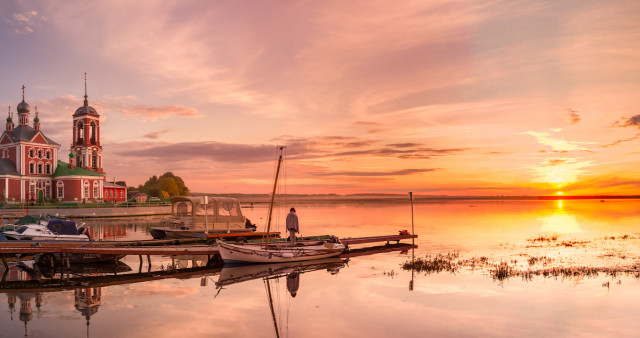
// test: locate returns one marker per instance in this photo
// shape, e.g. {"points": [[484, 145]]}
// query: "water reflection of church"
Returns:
{"points": [[87, 300]]}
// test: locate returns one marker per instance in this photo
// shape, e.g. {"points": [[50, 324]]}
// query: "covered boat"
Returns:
{"points": [[52, 229], [192, 215]]}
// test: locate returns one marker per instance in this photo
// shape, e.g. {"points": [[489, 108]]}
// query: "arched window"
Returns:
{"points": [[48, 155], [32, 190], [79, 158], [95, 190], [85, 194], [80, 132], [94, 160], [31, 152], [93, 132], [48, 169], [60, 187]]}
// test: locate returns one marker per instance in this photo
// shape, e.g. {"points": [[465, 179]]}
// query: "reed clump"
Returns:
{"points": [[434, 263], [547, 239], [502, 271]]}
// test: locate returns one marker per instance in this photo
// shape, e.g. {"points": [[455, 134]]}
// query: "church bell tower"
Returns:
{"points": [[85, 144]]}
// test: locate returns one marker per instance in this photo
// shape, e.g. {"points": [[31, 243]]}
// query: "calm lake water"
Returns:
{"points": [[571, 271]]}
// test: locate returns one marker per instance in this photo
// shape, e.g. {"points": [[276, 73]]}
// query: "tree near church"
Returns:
{"points": [[164, 186]]}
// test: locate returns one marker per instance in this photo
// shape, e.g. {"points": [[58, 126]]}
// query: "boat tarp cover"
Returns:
{"points": [[62, 227], [28, 219], [2, 237]]}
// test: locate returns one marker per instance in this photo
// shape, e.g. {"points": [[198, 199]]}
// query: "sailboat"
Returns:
{"points": [[279, 252]]}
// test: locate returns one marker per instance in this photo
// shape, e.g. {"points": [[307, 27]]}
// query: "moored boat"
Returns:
{"points": [[261, 253], [195, 216], [49, 230], [278, 252]]}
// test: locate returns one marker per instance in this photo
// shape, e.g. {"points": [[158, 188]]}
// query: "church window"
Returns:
{"points": [[95, 189], [80, 132], [60, 186], [48, 155], [30, 152], [39, 153], [92, 133], [39, 168], [47, 192], [94, 160], [31, 168], [121, 193], [48, 169], [86, 189]]}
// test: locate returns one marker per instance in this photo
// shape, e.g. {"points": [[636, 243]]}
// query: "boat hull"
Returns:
{"points": [[10, 235], [232, 253]]}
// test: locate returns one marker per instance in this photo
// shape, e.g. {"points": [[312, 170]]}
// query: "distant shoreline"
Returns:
{"points": [[355, 198]]}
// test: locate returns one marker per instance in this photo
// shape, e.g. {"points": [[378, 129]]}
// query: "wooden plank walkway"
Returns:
{"points": [[373, 239], [137, 248]]}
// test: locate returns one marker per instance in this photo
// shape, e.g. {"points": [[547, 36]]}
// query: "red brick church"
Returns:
{"points": [[31, 169]]}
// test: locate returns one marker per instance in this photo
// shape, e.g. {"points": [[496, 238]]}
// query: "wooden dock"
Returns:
{"points": [[374, 239], [147, 248]]}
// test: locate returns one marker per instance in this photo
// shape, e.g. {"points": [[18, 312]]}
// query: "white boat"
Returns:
{"points": [[197, 215], [278, 253], [261, 253], [49, 230]]}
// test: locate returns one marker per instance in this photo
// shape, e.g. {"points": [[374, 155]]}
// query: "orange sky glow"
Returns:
{"points": [[442, 97]]}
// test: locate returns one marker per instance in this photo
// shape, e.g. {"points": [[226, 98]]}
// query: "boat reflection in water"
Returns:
{"points": [[291, 271]]}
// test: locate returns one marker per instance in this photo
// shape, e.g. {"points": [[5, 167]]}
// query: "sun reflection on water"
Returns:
{"points": [[560, 223]]}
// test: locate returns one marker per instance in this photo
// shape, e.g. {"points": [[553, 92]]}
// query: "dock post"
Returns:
{"points": [[149, 261], [6, 266], [140, 268]]}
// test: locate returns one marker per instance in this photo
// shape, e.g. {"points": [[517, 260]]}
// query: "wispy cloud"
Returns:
{"points": [[572, 116], [25, 22], [402, 172], [621, 141], [633, 121], [556, 143], [156, 134], [209, 151]]}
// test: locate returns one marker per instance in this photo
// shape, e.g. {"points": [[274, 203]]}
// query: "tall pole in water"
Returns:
{"points": [[412, 243], [412, 230], [206, 222], [273, 194]]}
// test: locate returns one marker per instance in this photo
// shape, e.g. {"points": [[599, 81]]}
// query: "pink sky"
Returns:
{"points": [[435, 97]]}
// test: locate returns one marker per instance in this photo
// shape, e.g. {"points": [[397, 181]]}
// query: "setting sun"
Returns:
{"points": [[559, 193]]}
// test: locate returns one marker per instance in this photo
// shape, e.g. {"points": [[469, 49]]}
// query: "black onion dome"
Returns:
{"points": [[86, 110], [23, 107]]}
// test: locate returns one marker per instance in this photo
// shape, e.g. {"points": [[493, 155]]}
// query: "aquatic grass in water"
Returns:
{"points": [[431, 264]]}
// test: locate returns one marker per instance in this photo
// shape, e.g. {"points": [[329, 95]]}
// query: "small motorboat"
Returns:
{"points": [[52, 229]]}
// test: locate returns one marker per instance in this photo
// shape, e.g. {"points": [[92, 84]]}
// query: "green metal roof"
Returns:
{"points": [[64, 170]]}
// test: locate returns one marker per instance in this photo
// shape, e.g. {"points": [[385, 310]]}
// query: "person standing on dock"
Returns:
{"points": [[292, 225]]}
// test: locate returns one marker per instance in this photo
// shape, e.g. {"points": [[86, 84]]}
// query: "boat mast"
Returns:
{"points": [[273, 314], [273, 194]]}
